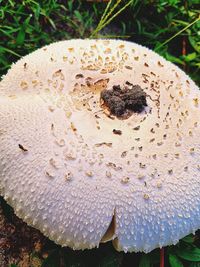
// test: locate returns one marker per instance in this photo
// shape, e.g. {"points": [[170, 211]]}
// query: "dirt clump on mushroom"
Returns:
{"points": [[120, 100]]}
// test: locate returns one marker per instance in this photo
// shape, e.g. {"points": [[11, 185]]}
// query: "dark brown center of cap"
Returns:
{"points": [[121, 101]]}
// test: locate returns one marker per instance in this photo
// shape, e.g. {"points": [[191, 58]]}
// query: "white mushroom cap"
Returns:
{"points": [[64, 170]]}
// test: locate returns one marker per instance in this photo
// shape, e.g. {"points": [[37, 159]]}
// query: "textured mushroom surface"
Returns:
{"points": [[83, 176]]}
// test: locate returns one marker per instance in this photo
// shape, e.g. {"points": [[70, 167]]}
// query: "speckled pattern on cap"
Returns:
{"points": [[82, 176]]}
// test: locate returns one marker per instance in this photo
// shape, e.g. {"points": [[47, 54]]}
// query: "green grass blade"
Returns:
{"points": [[104, 13], [110, 19], [178, 33], [105, 16], [111, 11], [174, 261], [4, 49]]}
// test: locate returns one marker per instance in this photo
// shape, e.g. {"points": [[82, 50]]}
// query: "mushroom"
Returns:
{"points": [[99, 141]]}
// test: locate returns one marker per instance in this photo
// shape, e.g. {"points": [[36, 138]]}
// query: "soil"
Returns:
{"points": [[119, 100], [17, 240]]}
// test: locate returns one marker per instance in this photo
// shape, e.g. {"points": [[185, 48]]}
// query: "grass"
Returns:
{"points": [[172, 28]]}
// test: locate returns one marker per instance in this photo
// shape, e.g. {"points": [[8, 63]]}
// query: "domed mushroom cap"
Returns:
{"points": [[84, 169]]}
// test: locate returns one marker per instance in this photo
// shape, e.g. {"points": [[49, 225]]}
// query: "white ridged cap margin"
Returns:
{"points": [[64, 170]]}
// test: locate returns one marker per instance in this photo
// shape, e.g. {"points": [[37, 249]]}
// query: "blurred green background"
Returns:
{"points": [[171, 28]]}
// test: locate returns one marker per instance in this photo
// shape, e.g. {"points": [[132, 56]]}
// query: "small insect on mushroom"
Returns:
{"points": [[22, 148]]}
